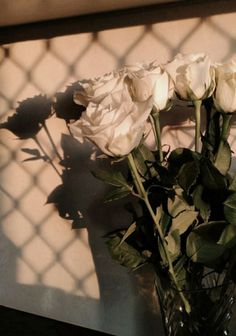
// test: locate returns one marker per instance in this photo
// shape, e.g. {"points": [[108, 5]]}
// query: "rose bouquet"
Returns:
{"points": [[184, 219]]}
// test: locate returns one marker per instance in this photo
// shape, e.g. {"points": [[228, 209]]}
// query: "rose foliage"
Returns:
{"points": [[187, 197], [185, 217]]}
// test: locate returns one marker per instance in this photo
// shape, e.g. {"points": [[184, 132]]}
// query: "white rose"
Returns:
{"points": [[150, 80], [94, 90], [225, 93], [193, 76], [115, 127]]}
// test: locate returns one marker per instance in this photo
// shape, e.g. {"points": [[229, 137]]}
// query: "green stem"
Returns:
{"points": [[136, 178], [156, 126], [208, 121], [51, 141], [225, 126], [46, 155], [224, 133], [144, 196], [197, 105]]}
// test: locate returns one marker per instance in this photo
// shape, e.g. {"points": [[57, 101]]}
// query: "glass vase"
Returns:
{"points": [[211, 306]]}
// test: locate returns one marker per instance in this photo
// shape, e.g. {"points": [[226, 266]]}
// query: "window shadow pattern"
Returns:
{"points": [[47, 66]]}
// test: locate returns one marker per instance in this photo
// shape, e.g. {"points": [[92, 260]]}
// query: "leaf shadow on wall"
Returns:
{"points": [[81, 193], [123, 297]]}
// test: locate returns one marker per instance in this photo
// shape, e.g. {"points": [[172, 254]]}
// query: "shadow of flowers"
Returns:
{"points": [[29, 117], [66, 196], [65, 107]]}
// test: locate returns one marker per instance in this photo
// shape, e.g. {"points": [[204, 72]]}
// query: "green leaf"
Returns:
{"points": [[188, 175], [162, 252], [212, 230], [178, 158], [202, 243], [159, 213], [214, 131], [144, 158], [183, 221], [211, 177], [228, 236], [211, 139], [230, 208], [180, 270], [203, 207], [173, 244], [129, 232], [178, 205], [223, 158], [233, 183], [165, 222], [203, 250], [114, 178], [125, 254], [146, 153], [116, 194]]}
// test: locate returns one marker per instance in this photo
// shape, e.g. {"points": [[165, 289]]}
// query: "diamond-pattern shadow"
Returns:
{"points": [[47, 66]]}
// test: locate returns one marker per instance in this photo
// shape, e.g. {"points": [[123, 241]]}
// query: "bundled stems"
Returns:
{"points": [[155, 121], [143, 195], [197, 105]]}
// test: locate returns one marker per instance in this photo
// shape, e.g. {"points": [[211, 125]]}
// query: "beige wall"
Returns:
{"points": [[47, 268]]}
